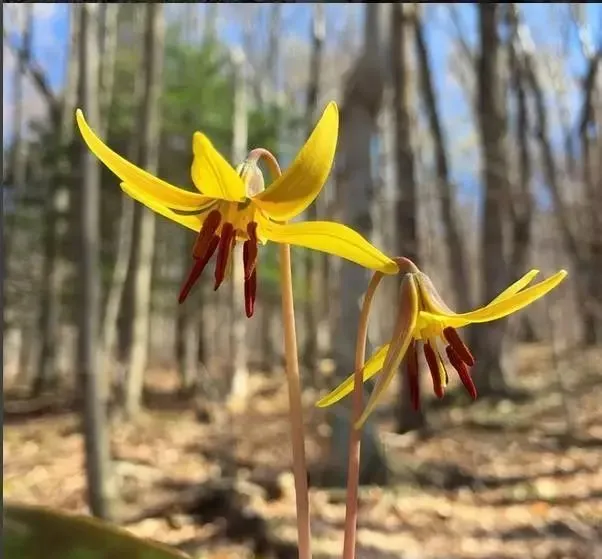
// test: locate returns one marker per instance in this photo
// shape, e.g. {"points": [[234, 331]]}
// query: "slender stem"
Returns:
{"points": [[355, 435], [295, 405], [294, 386]]}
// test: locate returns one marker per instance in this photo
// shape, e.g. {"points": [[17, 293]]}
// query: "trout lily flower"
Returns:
{"points": [[425, 320], [233, 206]]}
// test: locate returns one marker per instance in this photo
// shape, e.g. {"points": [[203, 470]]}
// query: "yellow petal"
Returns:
{"points": [[502, 308], [301, 183], [432, 300], [193, 222], [329, 237], [167, 194], [212, 174], [403, 335], [371, 367], [516, 286]]}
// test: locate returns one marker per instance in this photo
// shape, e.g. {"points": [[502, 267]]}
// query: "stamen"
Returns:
{"points": [[226, 244], [250, 293], [445, 374], [413, 381], [197, 268], [463, 373], [206, 233], [453, 339], [249, 251], [433, 363]]}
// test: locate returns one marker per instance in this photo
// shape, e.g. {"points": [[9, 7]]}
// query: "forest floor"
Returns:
{"points": [[491, 480]]}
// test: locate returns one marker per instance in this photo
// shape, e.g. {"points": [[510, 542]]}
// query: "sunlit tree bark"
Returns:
{"points": [[96, 437], [144, 219], [359, 123], [404, 89], [315, 313], [56, 210], [489, 373]]}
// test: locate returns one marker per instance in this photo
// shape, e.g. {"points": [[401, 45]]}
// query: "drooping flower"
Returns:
{"points": [[425, 320], [233, 206]]}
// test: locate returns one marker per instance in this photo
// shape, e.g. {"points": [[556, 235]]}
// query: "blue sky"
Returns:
{"points": [[544, 21]]}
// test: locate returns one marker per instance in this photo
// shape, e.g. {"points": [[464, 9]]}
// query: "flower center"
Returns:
{"points": [[212, 238], [458, 356]]}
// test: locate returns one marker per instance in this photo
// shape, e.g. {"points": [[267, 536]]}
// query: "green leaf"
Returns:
{"points": [[31, 532]]}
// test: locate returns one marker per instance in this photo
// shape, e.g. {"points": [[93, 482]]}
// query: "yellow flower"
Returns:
{"points": [[233, 205], [424, 318]]}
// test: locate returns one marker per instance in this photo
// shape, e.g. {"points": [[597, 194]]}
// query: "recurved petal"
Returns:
{"points": [[434, 302], [301, 183], [371, 367], [212, 174], [332, 238], [516, 286], [501, 308], [193, 222], [402, 337], [162, 191], [432, 299]]}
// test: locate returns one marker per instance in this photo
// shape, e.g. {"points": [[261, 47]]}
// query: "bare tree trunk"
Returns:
{"points": [[56, 224], [19, 154], [456, 251], [316, 291], [96, 436], [144, 232], [123, 254], [118, 279], [489, 338], [211, 18], [359, 115], [20, 145], [591, 144], [577, 251], [108, 37], [188, 325], [187, 352], [522, 205], [268, 354], [189, 314], [273, 54], [239, 372], [590, 137], [401, 41], [190, 22]]}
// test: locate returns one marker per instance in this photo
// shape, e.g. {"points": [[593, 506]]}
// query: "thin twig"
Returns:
{"points": [[37, 74]]}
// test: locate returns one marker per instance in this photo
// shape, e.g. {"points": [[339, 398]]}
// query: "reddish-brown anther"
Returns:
{"points": [[249, 257], [224, 251], [204, 247], [413, 380], [206, 234], [453, 339], [462, 370], [250, 250], [250, 293], [197, 268], [432, 362]]}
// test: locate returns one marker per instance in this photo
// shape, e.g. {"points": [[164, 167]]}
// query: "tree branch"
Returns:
{"points": [[589, 86], [460, 36], [37, 74]]}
